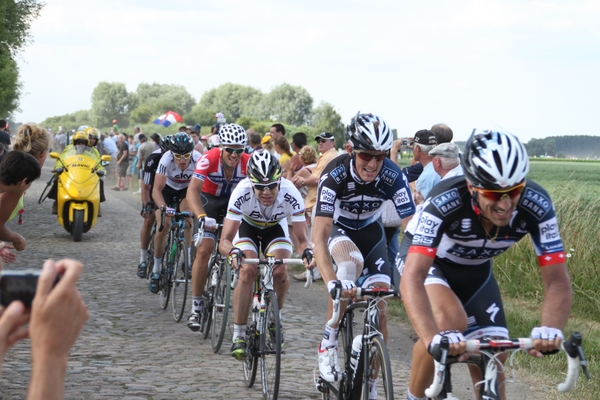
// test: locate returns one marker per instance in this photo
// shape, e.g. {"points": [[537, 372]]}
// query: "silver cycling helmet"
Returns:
{"points": [[494, 160]]}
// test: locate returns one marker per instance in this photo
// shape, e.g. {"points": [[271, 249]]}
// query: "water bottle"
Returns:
{"points": [[355, 354], [213, 278]]}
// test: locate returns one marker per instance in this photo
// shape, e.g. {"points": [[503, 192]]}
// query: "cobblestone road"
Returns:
{"points": [[132, 349]]}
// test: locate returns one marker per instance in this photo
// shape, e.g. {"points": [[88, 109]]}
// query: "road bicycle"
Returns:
{"points": [[364, 357], [217, 293], [263, 334], [484, 354], [175, 266]]}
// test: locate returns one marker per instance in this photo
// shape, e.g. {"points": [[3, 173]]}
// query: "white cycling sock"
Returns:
{"points": [[196, 304], [330, 337], [410, 396], [373, 388], [157, 263], [239, 331], [143, 255]]}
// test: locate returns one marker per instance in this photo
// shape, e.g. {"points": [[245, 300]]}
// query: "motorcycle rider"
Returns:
{"points": [[79, 145]]}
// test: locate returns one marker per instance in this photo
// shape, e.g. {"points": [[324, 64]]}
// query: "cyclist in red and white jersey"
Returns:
{"points": [[170, 186], [256, 219], [447, 282], [217, 173]]}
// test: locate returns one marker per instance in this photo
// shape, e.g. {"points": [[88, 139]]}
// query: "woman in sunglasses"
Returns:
{"points": [[216, 175], [256, 218], [171, 182], [348, 227], [447, 282]]}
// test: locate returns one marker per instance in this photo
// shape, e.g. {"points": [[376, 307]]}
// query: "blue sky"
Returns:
{"points": [[532, 67]]}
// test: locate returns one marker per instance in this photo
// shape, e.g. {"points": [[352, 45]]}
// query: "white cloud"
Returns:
{"points": [[530, 66]]}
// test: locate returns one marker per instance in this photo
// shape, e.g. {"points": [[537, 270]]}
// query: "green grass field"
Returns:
{"points": [[575, 189]]}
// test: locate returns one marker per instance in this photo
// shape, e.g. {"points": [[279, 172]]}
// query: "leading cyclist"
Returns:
{"points": [[447, 282], [170, 186], [256, 218], [217, 173], [348, 227]]}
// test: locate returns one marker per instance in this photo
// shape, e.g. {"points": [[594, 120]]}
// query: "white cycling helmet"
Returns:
{"points": [[494, 160], [369, 132], [232, 134]]}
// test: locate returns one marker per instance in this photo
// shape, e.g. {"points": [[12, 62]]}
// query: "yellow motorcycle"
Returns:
{"points": [[77, 179]]}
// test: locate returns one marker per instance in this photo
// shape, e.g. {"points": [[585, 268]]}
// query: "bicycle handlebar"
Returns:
{"points": [[182, 214], [336, 294], [571, 347]]}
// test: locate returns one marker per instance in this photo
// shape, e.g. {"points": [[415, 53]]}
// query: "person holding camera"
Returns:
{"points": [[55, 319]]}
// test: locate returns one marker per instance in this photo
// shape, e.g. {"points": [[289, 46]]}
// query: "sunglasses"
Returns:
{"points": [[231, 151], [497, 195], [368, 156], [319, 140], [180, 156], [262, 186]]}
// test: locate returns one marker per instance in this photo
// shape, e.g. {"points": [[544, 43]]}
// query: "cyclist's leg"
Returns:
{"points": [[212, 206], [247, 241], [145, 237], [486, 312], [160, 239], [276, 241]]}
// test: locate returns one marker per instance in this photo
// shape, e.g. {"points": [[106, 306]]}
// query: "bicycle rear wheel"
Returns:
{"points": [[150, 252], [207, 302], [220, 310], [377, 366], [270, 348], [250, 364], [181, 266]]}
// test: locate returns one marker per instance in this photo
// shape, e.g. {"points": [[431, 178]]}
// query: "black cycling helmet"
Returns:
{"points": [[181, 143], [369, 132], [494, 160], [165, 143], [263, 167]]}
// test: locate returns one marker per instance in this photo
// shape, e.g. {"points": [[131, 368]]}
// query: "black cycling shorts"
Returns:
{"points": [[475, 287], [372, 243], [173, 196], [214, 207]]}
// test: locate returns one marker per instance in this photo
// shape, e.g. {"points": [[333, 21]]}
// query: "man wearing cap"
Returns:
{"points": [[423, 142], [445, 160], [326, 144]]}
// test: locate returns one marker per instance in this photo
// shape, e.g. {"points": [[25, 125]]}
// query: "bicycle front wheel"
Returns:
{"points": [[207, 301], [349, 387], [377, 377], [250, 364], [181, 267], [220, 310], [166, 273], [270, 347]]}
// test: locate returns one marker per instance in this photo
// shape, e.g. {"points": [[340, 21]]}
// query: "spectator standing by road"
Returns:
{"points": [[4, 136], [122, 163]]}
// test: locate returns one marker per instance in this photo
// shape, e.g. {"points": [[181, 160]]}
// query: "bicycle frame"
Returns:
{"points": [[487, 361], [350, 385]]}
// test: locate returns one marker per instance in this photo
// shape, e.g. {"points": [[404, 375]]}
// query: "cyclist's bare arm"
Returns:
{"points": [[193, 196], [146, 195], [416, 300], [301, 231], [159, 184], [557, 303], [320, 237], [230, 228]]}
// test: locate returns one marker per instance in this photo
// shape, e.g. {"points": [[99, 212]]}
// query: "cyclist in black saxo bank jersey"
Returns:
{"points": [[447, 282], [348, 227]]}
